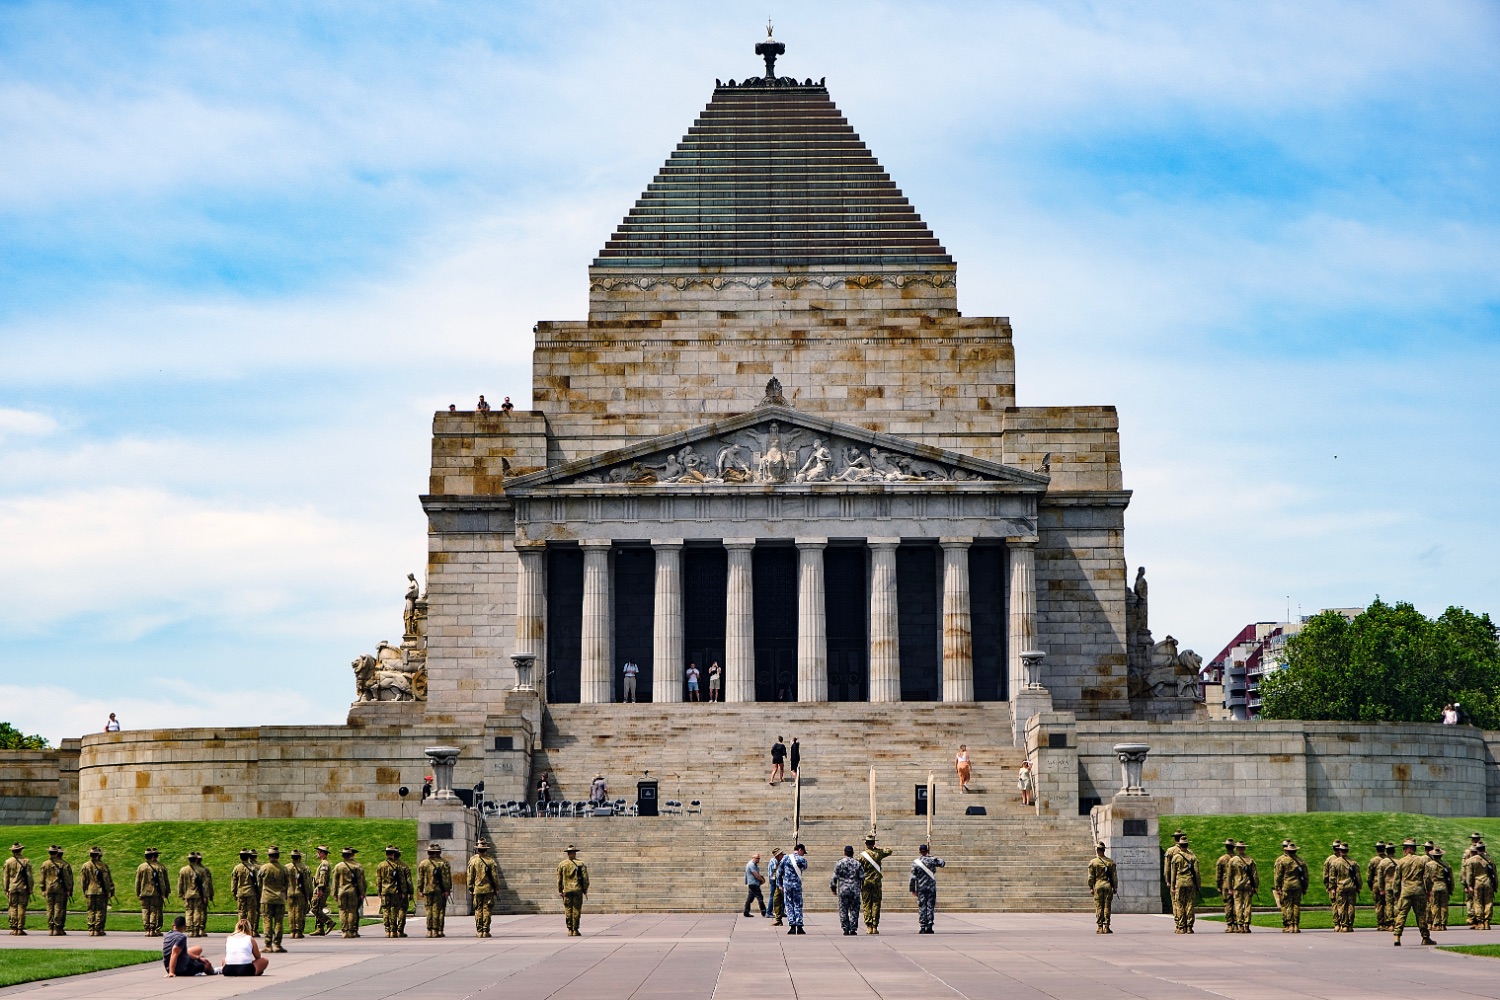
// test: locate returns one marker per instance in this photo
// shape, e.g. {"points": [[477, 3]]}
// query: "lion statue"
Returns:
{"points": [[1174, 674], [389, 675]]}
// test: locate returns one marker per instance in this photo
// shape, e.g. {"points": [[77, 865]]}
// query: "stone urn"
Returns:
{"points": [[444, 759], [1132, 759], [523, 663], [1031, 669]]}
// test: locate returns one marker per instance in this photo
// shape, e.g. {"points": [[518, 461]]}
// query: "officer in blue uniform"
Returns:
{"points": [[923, 885], [791, 888]]}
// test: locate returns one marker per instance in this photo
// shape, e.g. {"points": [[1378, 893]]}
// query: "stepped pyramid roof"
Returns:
{"points": [[770, 175]]}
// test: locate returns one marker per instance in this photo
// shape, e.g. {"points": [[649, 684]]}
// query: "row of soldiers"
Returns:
{"points": [[1416, 885]]}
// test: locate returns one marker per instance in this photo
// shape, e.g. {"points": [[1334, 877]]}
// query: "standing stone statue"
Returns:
{"points": [[57, 889], [152, 886], [409, 612]]}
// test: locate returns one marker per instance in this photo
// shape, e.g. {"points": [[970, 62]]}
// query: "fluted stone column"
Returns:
{"points": [[958, 636], [531, 610], [1021, 600], [812, 623], [739, 623], [885, 624], [666, 625], [594, 686]]}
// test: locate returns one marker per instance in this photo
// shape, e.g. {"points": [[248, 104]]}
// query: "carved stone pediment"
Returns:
{"points": [[777, 446]]}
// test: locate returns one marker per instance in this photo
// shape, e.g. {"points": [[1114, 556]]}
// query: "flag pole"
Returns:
{"points": [[796, 807], [931, 807], [872, 800]]}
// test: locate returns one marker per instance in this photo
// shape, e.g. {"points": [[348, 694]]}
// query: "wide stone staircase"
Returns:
{"points": [[715, 760]]}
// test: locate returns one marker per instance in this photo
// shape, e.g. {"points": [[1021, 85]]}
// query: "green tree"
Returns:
{"points": [[12, 738], [1390, 664]]}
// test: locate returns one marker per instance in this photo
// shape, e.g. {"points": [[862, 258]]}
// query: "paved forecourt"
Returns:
{"points": [[1016, 956]]}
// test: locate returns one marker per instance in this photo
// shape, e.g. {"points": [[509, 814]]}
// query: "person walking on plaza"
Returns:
{"points": [[273, 886], [1442, 891], [692, 681], [778, 762], [572, 886], [1104, 882], [778, 900], [870, 860], [483, 880], [245, 890], [963, 766], [1375, 877], [349, 889], [923, 885], [298, 892], [435, 883], [753, 881], [1413, 885], [1244, 883], [846, 881], [394, 889], [791, 888], [98, 890], [57, 889], [1290, 882], [19, 883], [322, 886], [153, 884], [1479, 884], [1183, 883], [1221, 882]]}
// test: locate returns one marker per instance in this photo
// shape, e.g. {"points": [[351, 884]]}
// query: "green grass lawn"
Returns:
{"points": [[1486, 950], [129, 921], [220, 841], [27, 965], [1315, 834], [1322, 920]]}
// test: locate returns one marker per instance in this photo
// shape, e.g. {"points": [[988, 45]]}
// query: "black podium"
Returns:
{"points": [[645, 798]]}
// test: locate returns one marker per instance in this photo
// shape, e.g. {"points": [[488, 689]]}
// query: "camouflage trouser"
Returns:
{"points": [[869, 905], [849, 911], [151, 916], [1244, 908], [1343, 908], [793, 902], [436, 905], [18, 903], [1291, 910], [275, 924], [1484, 902], [1437, 910], [926, 906], [778, 906], [248, 910], [1417, 906], [1381, 916], [322, 921], [296, 916], [1104, 897], [1230, 917], [573, 910], [1184, 899], [195, 912], [393, 913], [57, 913], [350, 907], [98, 913], [482, 903]]}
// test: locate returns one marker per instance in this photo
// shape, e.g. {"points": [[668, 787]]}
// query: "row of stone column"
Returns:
{"points": [[812, 626]]}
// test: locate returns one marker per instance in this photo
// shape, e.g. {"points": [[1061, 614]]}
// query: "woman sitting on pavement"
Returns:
{"points": [[241, 954]]}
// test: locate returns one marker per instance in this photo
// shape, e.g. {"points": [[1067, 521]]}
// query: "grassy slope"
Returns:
{"points": [[1486, 950], [27, 965], [220, 842], [1314, 834]]}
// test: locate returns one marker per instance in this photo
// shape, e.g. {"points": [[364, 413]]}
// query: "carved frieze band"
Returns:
{"points": [[755, 282]]}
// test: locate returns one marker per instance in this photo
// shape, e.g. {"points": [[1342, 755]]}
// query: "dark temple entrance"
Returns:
{"points": [[846, 607], [705, 586], [987, 622], [635, 606], [564, 624], [775, 593], [917, 596]]}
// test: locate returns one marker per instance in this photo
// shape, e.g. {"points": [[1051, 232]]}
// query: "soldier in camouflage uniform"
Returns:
{"points": [[1184, 883], [923, 885], [298, 889], [1442, 891], [870, 894], [322, 885], [1104, 882], [1341, 879], [1376, 872], [1290, 876], [19, 883], [245, 889], [1412, 883], [845, 882], [57, 889], [349, 889], [273, 885], [153, 885], [483, 880], [1221, 882], [1479, 883], [1244, 883], [435, 883], [572, 886], [777, 907], [98, 890], [192, 892], [393, 884]]}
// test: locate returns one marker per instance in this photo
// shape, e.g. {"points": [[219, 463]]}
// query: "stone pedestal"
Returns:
{"points": [[1031, 698], [1052, 748], [1127, 824], [448, 823]]}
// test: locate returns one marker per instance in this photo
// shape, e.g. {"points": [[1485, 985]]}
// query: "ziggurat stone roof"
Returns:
{"points": [[770, 175]]}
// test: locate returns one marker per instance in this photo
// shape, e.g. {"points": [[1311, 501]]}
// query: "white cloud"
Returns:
{"points": [[16, 423]]}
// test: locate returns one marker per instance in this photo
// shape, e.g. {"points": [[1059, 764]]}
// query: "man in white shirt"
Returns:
{"points": [[631, 670]]}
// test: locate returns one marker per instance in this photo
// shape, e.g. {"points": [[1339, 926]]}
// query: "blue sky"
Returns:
{"points": [[246, 250]]}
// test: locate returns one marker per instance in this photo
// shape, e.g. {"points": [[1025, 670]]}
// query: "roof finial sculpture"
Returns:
{"points": [[770, 49]]}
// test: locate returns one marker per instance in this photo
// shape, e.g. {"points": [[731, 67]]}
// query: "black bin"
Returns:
{"points": [[921, 807], [645, 798]]}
